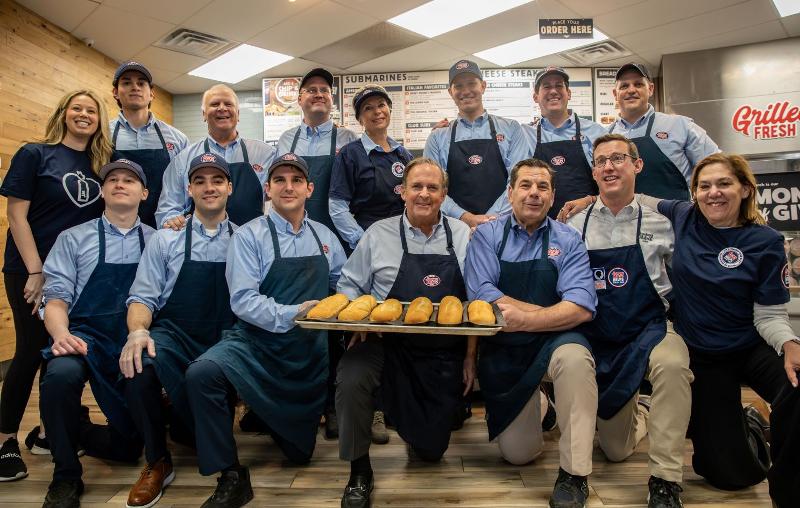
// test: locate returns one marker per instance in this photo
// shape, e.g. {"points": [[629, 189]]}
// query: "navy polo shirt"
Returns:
{"points": [[62, 190], [719, 274]]}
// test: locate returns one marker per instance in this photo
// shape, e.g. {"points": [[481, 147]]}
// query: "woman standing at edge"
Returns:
{"points": [[51, 186]]}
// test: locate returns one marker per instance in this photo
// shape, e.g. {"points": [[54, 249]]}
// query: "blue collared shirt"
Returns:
{"points": [[566, 251], [251, 255], [75, 255], [175, 199], [513, 149], [163, 258], [146, 137], [314, 141], [589, 132], [684, 142]]}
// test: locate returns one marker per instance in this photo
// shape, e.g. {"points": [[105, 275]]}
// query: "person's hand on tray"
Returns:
{"points": [[305, 306]]}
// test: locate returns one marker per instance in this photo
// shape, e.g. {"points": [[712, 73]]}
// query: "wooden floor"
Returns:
{"points": [[471, 475]]}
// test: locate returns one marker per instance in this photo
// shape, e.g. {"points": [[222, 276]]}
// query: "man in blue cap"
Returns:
{"points": [[141, 137], [178, 307], [478, 150], [87, 276], [278, 266]]}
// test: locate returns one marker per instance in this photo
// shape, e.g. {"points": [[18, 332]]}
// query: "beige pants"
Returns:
{"points": [[671, 404], [571, 370]]}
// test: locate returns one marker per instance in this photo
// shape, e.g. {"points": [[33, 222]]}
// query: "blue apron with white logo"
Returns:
{"points": [[247, 201], [385, 200], [630, 321]]}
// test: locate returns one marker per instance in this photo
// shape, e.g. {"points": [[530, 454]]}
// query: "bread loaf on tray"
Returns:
{"points": [[480, 313], [451, 311], [328, 307], [358, 309], [389, 310], [419, 311]]}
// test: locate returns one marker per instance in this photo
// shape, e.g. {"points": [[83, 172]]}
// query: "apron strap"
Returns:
{"points": [[453, 126], [316, 237], [403, 241], [650, 125], [141, 239], [577, 128], [187, 244], [275, 245], [449, 234], [230, 228], [333, 141], [160, 136], [244, 151], [101, 235], [114, 136], [206, 149], [586, 222], [506, 230], [611, 130], [539, 132], [639, 225], [545, 242], [492, 130], [296, 137]]}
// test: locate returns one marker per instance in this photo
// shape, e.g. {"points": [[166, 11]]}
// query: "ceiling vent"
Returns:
{"points": [[195, 43], [599, 52]]}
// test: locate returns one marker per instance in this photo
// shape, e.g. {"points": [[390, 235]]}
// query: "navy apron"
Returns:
{"points": [[153, 161], [192, 320], [476, 170], [385, 200], [660, 177], [247, 201], [630, 321], [282, 376], [422, 382], [511, 365], [572, 178], [99, 317], [319, 171]]}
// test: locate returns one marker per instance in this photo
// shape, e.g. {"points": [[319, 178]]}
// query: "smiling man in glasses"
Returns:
{"points": [[629, 248]]}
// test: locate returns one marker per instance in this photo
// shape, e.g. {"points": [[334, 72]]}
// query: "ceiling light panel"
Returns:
{"points": [[442, 16], [533, 47], [240, 63], [787, 7]]}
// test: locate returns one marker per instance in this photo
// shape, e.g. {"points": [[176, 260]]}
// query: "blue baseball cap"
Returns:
{"points": [[318, 72], [640, 68], [123, 164], [365, 93], [548, 71], [289, 159], [463, 66], [132, 66], [209, 160]]}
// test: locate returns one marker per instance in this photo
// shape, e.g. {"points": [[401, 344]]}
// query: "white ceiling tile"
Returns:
{"points": [[590, 8], [759, 33], [297, 67], [420, 56], [188, 84], [240, 20], [382, 9], [166, 59], [66, 14], [171, 11], [161, 76], [111, 30], [792, 25], [318, 26]]}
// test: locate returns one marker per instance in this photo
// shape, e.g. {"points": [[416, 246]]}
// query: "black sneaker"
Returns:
{"points": [[37, 445], [570, 491], [233, 490], [663, 494], [12, 467], [64, 494]]}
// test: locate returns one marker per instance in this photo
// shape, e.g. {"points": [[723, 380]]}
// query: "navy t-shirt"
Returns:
{"points": [[62, 189], [717, 276]]}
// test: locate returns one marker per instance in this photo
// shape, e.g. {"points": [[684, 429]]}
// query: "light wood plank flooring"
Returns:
{"points": [[471, 475]]}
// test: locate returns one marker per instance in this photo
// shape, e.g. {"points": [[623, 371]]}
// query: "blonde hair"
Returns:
{"points": [[748, 210], [99, 147]]}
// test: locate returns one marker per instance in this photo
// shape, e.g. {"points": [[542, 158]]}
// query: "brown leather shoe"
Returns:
{"points": [[148, 489]]}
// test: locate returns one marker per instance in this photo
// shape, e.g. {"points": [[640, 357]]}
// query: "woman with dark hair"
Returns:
{"points": [[51, 186]]}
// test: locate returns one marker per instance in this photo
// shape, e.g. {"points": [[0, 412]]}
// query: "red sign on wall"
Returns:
{"points": [[778, 120]]}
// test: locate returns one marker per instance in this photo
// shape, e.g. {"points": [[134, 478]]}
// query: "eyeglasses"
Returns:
{"points": [[316, 91], [617, 159]]}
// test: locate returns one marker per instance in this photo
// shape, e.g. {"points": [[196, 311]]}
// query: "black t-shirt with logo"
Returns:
{"points": [[62, 189]]}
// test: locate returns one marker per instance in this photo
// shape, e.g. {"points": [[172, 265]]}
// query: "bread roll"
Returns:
{"points": [[358, 309], [451, 311], [389, 310], [480, 313], [419, 311], [328, 307]]}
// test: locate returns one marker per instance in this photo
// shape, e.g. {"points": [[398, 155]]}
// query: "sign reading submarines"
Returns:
{"points": [[566, 28], [778, 196]]}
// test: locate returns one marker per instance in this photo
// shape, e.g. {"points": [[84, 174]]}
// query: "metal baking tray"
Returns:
{"points": [[429, 327]]}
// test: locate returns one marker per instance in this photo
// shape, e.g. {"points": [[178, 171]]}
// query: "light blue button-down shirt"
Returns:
{"points": [[75, 255], [146, 137], [314, 141], [684, 142], [566, 251], [345, 223], [250, 257], [175, 199], [589, 132], [163, 258], [513, 148]]}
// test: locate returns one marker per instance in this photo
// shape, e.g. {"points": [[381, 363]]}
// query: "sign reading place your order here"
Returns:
{"points": [[566, 28]]}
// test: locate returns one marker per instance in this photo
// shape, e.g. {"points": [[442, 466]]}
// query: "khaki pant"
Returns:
{"points": [[671, 404], [571, 370]]}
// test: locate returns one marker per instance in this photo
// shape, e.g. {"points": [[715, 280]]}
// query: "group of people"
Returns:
{"points": [[142, 264]]}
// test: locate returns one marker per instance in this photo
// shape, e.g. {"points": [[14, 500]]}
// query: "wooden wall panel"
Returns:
{"points": [[39, 63]]}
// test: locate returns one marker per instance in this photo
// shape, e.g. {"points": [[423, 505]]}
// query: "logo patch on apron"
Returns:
{"points": [[558, 160], [431, 280], [475, 159], [599, 275], [397, 169], [325, 248], [785, 275], [617, 277], [398, 189], [553, 252], [170, 147], [662, 135], [258, 168], [730, 257], [81, 195]]}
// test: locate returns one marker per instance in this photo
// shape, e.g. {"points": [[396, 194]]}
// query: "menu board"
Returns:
{"points": [[421, 99], [281, 110], [606, 110]]}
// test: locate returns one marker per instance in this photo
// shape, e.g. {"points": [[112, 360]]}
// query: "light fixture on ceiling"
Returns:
{"points": [[787, 7], [442, 16], [240, 63], [532, 47]]}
